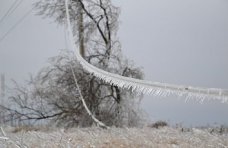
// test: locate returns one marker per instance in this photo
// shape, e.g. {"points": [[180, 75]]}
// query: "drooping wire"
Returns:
{"points": [[15, 25], [98, 122], [147, 87], [12, 8]]}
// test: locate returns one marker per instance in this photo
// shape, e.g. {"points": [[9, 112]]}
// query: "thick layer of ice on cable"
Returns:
{"points": [[147, 87]]}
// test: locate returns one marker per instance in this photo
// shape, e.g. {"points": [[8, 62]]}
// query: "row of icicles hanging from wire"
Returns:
{"points": [[143, 86]]}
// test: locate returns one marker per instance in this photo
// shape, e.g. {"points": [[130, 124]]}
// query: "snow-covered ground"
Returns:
{"points": [[164, 137]]}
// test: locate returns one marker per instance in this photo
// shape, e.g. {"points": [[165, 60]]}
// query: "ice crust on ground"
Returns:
{"points": [[115, 137]]}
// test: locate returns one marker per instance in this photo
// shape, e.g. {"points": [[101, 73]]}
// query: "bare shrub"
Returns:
{"points": [[158, 124]]}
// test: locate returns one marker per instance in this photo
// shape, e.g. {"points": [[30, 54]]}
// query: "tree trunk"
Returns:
{"points": [[81, 32]]}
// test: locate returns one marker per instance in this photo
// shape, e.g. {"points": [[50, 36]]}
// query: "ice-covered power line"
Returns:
{"points": [[142, 86], [15, 25], [12, 8], [98, 122]]}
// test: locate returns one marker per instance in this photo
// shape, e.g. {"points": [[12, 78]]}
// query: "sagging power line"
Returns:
{"points": [[15, 25], [12, 8], [143, 86]]}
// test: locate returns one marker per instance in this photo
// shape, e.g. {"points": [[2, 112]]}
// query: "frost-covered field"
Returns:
{"points": [[115, 137]]}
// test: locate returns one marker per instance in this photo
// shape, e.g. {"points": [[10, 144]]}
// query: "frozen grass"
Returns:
{"points": [[112, 138]]}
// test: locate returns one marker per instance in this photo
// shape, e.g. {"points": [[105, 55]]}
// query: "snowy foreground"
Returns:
{"points": [[164, 137]]}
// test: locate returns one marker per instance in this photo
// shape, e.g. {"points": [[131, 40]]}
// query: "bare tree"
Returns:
{"points": [[52, 93], [95, 23]]}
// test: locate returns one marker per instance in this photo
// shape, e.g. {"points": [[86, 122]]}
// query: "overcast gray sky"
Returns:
{"points": [[175, 41]]}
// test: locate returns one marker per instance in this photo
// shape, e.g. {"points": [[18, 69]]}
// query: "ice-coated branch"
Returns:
{"points": [[5, 137]]}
